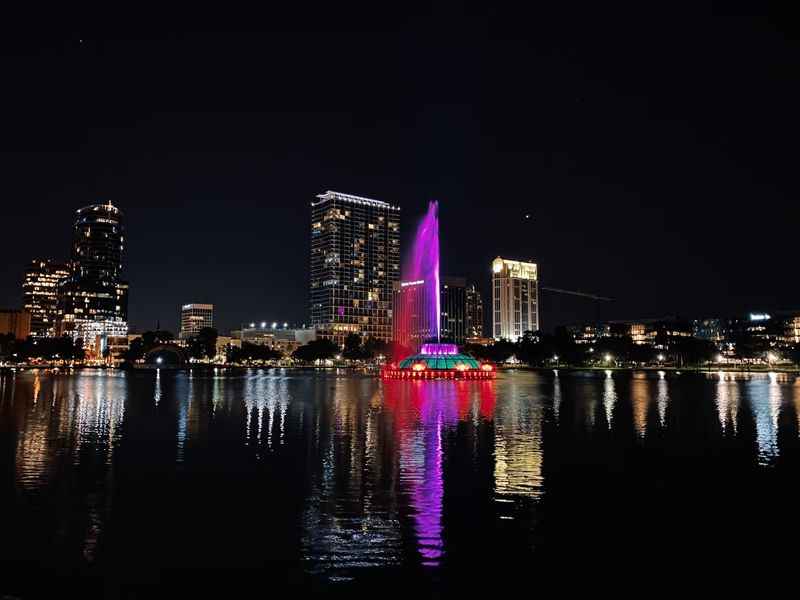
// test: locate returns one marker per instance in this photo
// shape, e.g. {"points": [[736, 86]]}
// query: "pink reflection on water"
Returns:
{"points": [[423, 410]]}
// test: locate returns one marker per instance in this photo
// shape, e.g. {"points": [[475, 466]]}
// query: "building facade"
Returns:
{"points": [[515, 298], [195, 317], [284, 339], [453, 306], [355, 262], [15, 322], [41, 292], [412, 312], [474, 312], [93, 302]]}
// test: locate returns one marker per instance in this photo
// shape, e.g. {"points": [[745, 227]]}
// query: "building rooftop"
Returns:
{"points": [[331, 195]]}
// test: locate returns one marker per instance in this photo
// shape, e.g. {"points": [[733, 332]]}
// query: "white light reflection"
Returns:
{"points": [[609, 397]]}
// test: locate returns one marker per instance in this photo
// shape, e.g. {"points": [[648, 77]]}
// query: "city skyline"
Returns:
{"points": [[579, 153]]}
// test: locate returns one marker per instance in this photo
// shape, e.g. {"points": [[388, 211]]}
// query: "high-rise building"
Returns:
{"points": [[355, 261], [474, 312], [195, 317], [41, 291], [93, 303], [453, 306], [515, 298], [15, 322], [411, 313]]}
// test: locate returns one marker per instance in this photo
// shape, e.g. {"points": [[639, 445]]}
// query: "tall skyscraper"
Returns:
{"points": [[94, 298], [195, 317], [474, 312], [453, 306], [515, 298], [355, 261], [41, 291]]}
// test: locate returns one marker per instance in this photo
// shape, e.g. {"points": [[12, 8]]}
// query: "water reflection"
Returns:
{"points": [[348, 473]]}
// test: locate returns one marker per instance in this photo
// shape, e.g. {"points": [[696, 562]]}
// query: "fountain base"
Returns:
{"points": [[439, 361]]}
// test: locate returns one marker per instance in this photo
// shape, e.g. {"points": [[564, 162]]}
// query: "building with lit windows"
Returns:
{"points": [[474, 312], [515, 298], [275, 335], [355, 262], [453, 306], [93, 302], [195, 317], [41, 291]]}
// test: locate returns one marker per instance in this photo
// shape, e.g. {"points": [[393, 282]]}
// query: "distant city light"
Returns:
{"points": [[285, 325], [252, 325], [607, 358], [274, 324], [660, 357], [263, 324], [759, 316], [159, 360]]}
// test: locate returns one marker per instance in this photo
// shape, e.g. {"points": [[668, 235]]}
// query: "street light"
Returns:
{"points": [[660, 358]]}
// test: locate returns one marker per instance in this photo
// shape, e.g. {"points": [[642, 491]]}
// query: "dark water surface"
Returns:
{"points": [[239, 484]]}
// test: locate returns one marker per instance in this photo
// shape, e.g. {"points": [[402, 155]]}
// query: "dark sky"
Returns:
{"points": [[657, 150]]}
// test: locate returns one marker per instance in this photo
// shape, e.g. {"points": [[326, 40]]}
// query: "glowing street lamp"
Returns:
{"points": [[660, 358], [607, 358]]}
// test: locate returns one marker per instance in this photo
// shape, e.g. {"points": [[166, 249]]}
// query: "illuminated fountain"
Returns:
{"points": [[417, 315]]}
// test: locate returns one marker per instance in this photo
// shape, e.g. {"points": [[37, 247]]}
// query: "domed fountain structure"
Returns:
{"points": [[439, 361], [418, 312]]}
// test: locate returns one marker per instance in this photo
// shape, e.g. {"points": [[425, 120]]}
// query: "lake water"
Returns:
{"points": [[230, 484]]}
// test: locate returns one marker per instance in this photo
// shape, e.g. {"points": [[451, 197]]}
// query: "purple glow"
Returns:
{"points": [[439, 349], [423, 264]]}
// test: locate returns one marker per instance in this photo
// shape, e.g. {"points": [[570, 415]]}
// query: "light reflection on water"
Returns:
{"points": [[368, 473]]}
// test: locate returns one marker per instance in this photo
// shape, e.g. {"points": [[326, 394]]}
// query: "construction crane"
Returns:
{"points": [[581, 294], [593, 297]]}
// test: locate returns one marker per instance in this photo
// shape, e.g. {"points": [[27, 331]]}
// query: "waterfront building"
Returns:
{"points": [[283, 339], [15, 322], [412, 324], [659, 333], [195, 317], [41, 291], [355, 262], [474, 317], [93, 302], [515, 298], [453, 306]]}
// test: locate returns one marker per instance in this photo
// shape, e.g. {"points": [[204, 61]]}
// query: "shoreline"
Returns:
{"points": [[376, 370]]}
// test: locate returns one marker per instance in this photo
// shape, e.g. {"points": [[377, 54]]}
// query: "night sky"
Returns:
{"points": [[657, 152]]}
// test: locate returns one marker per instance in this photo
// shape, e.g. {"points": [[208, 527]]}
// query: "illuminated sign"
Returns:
{"points": [[759, 317]]}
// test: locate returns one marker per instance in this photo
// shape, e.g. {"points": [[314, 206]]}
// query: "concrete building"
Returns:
{"points": [[41, 292], [284, 339], [515, 298], [453, 306], [195, 317], [16, 322], [355, 262]]}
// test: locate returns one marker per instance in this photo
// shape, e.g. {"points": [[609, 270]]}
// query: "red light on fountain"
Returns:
{"points": [[418, 313]]}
